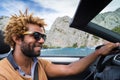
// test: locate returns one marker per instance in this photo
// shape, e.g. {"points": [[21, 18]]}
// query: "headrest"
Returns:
{"points": [[4, 48]]}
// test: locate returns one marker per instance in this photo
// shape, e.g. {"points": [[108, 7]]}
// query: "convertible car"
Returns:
{"points": [[105, 67]]}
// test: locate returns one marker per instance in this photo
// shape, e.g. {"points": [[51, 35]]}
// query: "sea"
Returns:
{"points": [[62, 52], [67, 51]]}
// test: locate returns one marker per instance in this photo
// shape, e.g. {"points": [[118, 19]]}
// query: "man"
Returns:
{"points": [[26, 35]]}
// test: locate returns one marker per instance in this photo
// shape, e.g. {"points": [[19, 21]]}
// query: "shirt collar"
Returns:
{"points": [[12, 61]]}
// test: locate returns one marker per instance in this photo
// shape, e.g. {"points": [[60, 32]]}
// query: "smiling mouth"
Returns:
{"points": [[38, 45]]}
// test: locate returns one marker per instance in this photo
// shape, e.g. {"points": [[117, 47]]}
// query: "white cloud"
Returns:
{"points": [[63, 8], [12, 7]]}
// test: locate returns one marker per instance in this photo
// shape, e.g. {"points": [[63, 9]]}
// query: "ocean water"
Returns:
{"points": [[67, 52], [64, 52]]}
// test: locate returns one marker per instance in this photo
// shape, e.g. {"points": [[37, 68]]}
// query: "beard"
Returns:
{"points": [[28, 49]]}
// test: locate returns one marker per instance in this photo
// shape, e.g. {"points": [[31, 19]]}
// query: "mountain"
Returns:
{"points": [[109, 20], [3, 21], [61, 35]]}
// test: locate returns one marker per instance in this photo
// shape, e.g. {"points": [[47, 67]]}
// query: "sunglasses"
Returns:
{"points": [[36, 35]]}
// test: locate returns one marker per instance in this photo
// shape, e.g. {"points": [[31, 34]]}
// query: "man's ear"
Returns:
{"points": [[16, 39]]}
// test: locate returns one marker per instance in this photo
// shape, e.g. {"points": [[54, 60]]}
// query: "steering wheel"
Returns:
{"points": [[105, 60], [112, 57], [111, 60]]}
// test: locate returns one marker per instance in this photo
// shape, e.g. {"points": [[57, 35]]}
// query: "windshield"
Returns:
{"points": [[109, 17]]}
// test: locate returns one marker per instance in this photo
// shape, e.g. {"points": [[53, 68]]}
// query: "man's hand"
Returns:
{"points": [[104, 50]]}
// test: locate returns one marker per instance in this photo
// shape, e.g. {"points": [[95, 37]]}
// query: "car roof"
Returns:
{"points": [[85, 12]]}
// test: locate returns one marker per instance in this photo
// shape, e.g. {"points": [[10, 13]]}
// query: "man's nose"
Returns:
{"points": [[41, 40]]}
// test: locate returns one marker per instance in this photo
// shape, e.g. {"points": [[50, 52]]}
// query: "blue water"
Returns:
{"points": [[67, 52], [74, 52]]}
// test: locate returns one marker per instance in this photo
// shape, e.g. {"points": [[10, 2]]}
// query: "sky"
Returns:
{"points": [[49, 10]]}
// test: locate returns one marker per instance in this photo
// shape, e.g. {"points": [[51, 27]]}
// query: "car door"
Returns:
{"points": [[66, 56]]}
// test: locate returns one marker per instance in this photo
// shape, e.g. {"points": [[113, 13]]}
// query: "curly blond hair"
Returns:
{"points": [[17, 26]]}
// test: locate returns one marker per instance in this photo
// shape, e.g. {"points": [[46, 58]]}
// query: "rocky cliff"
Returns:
{"points": [[3, 21], [108, 19], [61, 35]]}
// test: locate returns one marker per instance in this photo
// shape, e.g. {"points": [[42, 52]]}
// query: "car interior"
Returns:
{"points": [[85, 12], [105, 67]]}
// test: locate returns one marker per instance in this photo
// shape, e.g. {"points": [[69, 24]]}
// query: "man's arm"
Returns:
{"points": [[54, 70]]}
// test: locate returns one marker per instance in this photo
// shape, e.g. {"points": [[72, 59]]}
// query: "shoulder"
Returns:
{"points": [[43, 62], [6, 70], [3, 62], [4, 65]]}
